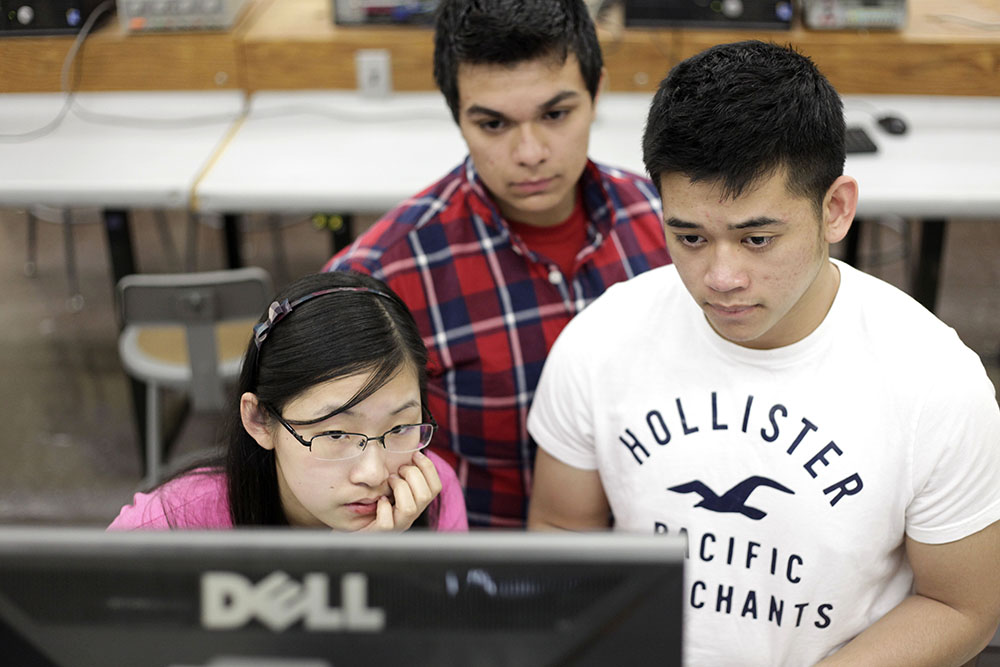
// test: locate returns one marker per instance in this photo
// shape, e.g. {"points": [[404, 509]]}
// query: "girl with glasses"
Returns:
{"points": [[330, 427]]}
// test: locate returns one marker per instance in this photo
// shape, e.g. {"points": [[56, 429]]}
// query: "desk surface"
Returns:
{"points": [[149, 155], [945, 166], [948, 48], [339, 152]]}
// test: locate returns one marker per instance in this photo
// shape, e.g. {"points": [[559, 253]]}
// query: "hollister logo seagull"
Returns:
{"points": [[733, 500]]}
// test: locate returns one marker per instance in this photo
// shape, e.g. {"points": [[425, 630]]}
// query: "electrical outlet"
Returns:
{"points": [[374, 72]]}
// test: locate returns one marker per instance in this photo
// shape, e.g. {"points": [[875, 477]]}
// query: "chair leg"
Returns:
{"points": [[31, 263], [167, 239], [152, 434], [278, 245], [191, 243], [231, 234], [138, 395], [75, 302]]}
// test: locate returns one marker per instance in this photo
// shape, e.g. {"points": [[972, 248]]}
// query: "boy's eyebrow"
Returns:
{"points": [[762, 221], [544, 106], [557, 98], [753, 223], [677, 223]]}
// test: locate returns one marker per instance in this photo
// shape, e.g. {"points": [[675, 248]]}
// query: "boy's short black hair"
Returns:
{"points": [[509, 32], [738, 113]]}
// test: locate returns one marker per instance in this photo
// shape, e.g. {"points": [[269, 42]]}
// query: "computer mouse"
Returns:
{"points": [[893, 124]]}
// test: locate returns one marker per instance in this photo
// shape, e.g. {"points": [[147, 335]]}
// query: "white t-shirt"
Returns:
{"points": [[794, 472]]}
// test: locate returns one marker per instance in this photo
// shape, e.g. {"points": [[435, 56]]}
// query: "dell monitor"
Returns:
{"points": [[301, 598]]}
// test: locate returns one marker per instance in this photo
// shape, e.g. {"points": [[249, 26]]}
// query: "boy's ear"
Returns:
{"points": [[839, 207], [255, 420]]}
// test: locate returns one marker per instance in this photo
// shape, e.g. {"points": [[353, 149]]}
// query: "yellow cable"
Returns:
{"points": [[219, 150]]}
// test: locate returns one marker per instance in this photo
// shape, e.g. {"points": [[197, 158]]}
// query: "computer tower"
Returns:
{"points": [[854, 14], [751, 14]]}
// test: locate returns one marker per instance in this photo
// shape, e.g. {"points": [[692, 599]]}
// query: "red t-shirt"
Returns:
{"points": [[559, 243]]}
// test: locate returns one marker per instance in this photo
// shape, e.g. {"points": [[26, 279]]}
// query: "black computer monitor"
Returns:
{"points": [[295, 598]]}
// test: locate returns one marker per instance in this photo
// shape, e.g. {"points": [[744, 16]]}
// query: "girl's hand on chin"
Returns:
{"points": [[414, 486]]}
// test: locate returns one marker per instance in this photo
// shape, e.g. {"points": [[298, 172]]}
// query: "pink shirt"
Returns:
{"points": [[199, 500]]}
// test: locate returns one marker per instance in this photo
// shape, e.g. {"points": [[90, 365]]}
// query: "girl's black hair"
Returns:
{"points": [[330, 336]]}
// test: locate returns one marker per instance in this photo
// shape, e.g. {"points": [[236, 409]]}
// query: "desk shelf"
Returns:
{"points": [[294, 44]]}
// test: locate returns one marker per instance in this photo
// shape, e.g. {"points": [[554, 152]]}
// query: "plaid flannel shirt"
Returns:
{"points": [[489, 309]]}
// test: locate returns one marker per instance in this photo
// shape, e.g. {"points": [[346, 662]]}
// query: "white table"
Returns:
{"points": [[330, 151], [945, 166], [339, 151], [118, 151], [308, 151]]}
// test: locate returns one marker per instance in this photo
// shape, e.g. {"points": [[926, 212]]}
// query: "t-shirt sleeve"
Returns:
{"points": [[197, 500], [561, 417], [956, 488], [447, 512]]}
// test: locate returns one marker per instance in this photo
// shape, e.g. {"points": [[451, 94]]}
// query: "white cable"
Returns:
{"points": [[64, 86]]}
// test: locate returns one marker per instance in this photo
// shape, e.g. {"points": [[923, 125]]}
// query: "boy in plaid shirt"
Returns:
{"points": [[496, 257]]}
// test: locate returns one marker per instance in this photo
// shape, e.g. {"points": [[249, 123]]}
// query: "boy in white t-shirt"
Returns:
{"points": [[830, 449]]}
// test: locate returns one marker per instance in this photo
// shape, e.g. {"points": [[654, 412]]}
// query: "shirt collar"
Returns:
{"points": [[595, 198]]}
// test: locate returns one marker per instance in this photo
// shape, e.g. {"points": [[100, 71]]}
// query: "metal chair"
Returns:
{"points": [[187, 331]]}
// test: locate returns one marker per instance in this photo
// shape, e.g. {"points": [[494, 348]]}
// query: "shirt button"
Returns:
{"points": [[555, 277]]}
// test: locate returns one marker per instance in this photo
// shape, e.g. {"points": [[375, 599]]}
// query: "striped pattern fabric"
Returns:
{"points": [[489, 309]]}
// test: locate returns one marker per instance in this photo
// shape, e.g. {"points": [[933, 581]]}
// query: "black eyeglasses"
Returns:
{"points": [[340, 445]]}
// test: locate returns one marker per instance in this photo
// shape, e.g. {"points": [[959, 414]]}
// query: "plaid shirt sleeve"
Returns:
{"points": [[489, 309]]}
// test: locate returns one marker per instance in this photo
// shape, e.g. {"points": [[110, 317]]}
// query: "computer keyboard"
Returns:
{"points": [[856, 140]]}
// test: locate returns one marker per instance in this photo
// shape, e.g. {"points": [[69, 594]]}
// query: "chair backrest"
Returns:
{"points": [[198, 302]]}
